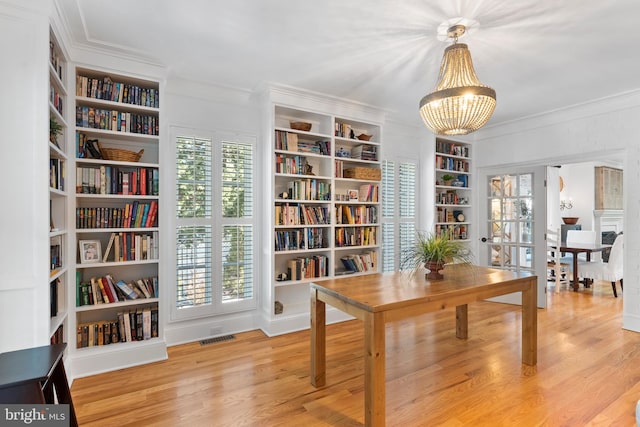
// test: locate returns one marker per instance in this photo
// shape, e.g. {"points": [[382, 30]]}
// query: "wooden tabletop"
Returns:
{"points": [[390, 291], [583, 247]]}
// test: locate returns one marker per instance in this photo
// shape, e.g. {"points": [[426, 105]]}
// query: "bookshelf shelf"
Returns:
{"points": [[290, 225], [59, 240], [113, 349], [56, 152], [112, 134], [453, 200], [108, 107], [115, 196], [99, 162], [116, 305], [117, 230], [117, 264]]}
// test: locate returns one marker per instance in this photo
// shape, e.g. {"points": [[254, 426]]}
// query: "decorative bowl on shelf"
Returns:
{"points": [[364, 137], [570, 219], [303, 126]]}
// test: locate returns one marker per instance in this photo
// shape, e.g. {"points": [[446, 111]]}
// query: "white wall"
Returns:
{"points": [[579, 188], [582, 133], [24, 254]]}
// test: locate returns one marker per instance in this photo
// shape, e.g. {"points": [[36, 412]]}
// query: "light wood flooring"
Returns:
{"points": [[588, 373]]}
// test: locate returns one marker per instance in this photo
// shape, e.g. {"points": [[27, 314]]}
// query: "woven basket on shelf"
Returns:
{"points": [[119, 154]]}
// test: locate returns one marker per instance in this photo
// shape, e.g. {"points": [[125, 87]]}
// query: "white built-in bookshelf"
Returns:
{"points": [[117, 199], [325, 195], [59, 271], [453, 198]]}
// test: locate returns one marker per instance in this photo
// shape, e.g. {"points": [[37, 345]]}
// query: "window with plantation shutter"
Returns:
{"points": [[399, 191], [214, 226]]}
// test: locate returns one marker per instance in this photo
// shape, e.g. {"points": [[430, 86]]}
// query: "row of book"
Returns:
{"points": [[53, 297], [55, 249], [451, 164], [132, 247], [286, 214], [356, 236], [56, 99], [364, 152], [447, 215], [132, 215], [357, 263], [308, 189], [296, 165], [457, 231], [107, 179], [128, 326], [55, 59], [450, 197], [307, 267], [290, 141], [107, 290], [98, 118], [344, 130], [56, 173], [347, 214], [453, 149], [368, 193], [109, 90], [291, 240]]}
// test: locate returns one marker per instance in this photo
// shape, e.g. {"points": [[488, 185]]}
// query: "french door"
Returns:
{"points": [[512, 221]]}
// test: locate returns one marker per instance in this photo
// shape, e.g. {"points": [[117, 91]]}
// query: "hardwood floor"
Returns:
{"points": [[587, 374]]}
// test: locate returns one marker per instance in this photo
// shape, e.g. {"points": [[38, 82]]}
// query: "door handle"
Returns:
{"points": [[484, 240]]}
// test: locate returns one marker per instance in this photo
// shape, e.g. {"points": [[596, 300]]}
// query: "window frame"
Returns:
{"points": [[217, 221]]}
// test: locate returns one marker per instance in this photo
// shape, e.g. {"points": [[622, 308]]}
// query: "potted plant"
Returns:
{"points": [[433, 251], [447, 179], [55, 129]]}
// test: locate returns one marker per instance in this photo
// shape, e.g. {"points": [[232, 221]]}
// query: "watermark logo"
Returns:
{"points": [[34, 415]]}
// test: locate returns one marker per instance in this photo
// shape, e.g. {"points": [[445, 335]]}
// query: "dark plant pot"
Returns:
{"points": [[434, 270]]}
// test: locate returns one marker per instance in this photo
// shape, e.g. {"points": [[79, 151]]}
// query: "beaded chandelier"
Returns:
{"points": [[460, 104]]}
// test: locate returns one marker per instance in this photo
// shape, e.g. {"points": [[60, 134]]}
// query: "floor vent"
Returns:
{"points": [[217, 339]]}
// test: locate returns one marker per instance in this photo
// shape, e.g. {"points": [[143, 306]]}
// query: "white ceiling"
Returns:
{"points": [[538, 55]]}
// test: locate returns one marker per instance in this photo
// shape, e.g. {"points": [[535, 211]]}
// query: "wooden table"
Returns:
{"points": [[578, 248], [381, 298], [32, 375]]}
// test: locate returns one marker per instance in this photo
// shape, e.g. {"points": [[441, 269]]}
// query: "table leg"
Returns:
{"points": [[530, 324], [374, 369], [462, 322], [587, 282], [318, 341], [576, 280]]}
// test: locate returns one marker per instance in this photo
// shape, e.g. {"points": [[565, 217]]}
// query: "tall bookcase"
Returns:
{"points": [[117, 200], [59, 272], [453, 196], [325, 194]]}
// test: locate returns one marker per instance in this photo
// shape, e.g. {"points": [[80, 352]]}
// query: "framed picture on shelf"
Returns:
{"points": [[90, 251], [353, 195]]}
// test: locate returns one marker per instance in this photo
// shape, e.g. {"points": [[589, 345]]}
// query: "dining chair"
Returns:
{"points": [[610, 271], [578, 236], [558, 271]]}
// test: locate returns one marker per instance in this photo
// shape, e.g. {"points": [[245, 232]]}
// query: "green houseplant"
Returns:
{"points": [[433, 251], [447, 179], [55, 129]]}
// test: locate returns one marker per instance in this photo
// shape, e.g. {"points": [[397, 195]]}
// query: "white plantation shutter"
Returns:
{"points": [[398, 213], [193, 220], [214, 226], [237, 212], [388, 214], [407, 206]]}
